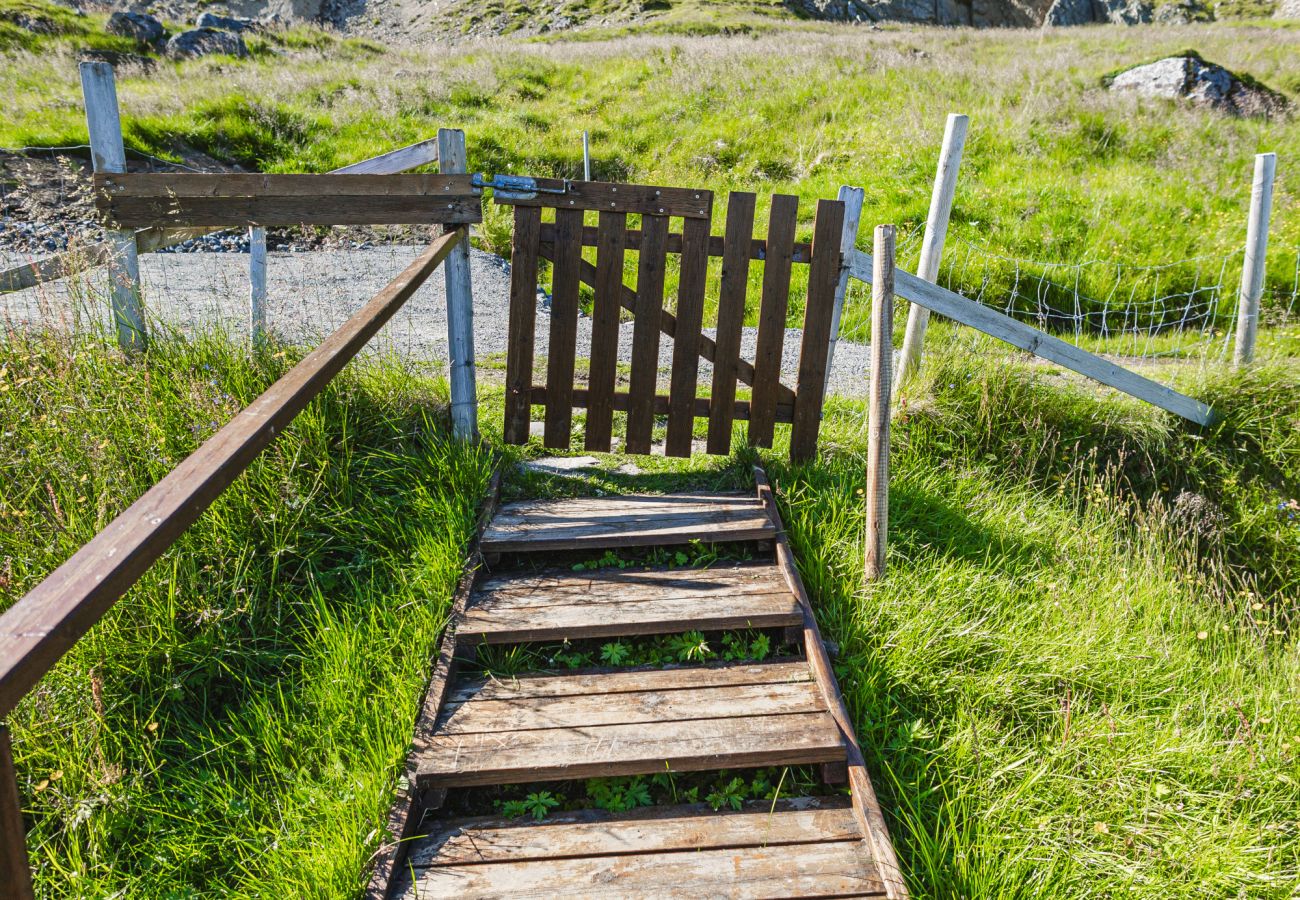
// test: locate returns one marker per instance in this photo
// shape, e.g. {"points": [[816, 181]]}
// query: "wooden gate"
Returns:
{"points": [[561, 239]]}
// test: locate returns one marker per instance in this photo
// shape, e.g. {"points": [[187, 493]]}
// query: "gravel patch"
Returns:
{"points": [[312, 293]]}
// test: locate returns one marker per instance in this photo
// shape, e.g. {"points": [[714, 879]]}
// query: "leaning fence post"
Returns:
{"points": [[882, 353], [257, 284], [460, 304], [851, 197], [1252, 270], [15, 870], [108, 154], [936, 231]]}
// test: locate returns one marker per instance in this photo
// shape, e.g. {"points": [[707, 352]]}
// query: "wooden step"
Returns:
{"points": [[804, 847], [559, 605], [554, 727], [637, 520]]}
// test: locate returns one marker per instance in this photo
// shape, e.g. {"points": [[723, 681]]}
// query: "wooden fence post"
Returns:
{"points": [[1253, 268], [460, 304], [108, 154], [936, 231], [15, 871], [851, 197], [882, 353], [586, 157], [257, 284]]}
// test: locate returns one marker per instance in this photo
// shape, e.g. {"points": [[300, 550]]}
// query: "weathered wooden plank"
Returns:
{"points": [[783, 220], [520, 589], [663, 404], [461, 368], [623, 198], [40, 627], [576, 621], [731, 316], [808, 820], [15, 869], [603, 371], [645, 335], [1039, 343], [334, 209], [823, 275], [668, 325], [608, 750], [686, 340], [834, 869], [681, 678], [802, 252], [637, 520], [564, 329], [112, 187], [628, 708], [523, 324]]}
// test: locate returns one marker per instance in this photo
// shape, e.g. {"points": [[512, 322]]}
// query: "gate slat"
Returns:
{"points": [[686, 339], [777, 264], [823, 276], [564, 328], [731, 316], [523, 320], [645, 333], [604, 330]]}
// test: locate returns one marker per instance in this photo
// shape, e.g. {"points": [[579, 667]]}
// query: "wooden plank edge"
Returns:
{"points": [[408, 804], [758, 248], [508, 545], [1040, 343], [620, 399], [865, 802], [704, 622]]}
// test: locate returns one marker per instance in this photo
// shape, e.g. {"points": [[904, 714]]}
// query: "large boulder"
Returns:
{"points": [[205, 42], [224, 23], [141, 27], [1086, 12], [1287, 9], [1202, 83]]}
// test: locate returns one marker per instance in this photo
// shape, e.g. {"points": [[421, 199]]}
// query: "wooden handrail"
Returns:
{"points": [[37, 630]]}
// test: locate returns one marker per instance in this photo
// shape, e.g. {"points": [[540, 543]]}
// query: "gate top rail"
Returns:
{"points": [[37, 630]]}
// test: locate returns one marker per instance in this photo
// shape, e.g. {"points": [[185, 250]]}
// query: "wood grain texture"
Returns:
{"points": [[562, 351], [111, 187], [627, 521], [775, 302], [37, 630], [645, 335], [731, 316], [461, 368], [684, 381], [523, 324], [879, 403], [823, 275], [1039, 343], [15, 870], [622, 198], [336, 209], [605, 314], [677, 241]]}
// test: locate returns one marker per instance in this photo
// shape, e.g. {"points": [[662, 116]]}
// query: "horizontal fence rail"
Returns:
{"points": [[37, 630]]}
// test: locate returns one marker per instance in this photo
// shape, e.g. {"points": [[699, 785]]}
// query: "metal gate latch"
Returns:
{"points": [[517, 187]]}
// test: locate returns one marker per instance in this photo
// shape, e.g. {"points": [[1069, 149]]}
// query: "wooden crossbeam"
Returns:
{"points": [[689, 203], [1040, 343], [802, 252], [187, 199]]}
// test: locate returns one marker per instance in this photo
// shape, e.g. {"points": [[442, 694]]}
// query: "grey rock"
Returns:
{"points": [[204, 42], [141, 27], [1287, 9], [1086, 12], [224, 23], [1201, 83]]}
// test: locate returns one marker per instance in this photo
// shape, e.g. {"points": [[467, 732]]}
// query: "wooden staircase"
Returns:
{"points": [[540, 727]]}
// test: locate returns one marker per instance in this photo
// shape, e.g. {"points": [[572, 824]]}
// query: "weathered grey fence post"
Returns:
{"points": [[15, 870], [882, 354], [460, 304], [851, 197], [936, 231], [257, 284], [108, 154], [586, 157], [1253, 269]]}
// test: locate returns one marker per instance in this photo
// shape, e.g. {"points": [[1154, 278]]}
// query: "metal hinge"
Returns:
{"points": [[517, 187]]}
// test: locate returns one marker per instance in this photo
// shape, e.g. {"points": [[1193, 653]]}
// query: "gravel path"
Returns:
{"points": [[312, 293]]}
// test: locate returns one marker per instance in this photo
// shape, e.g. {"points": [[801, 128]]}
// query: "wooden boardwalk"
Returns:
{"points": [[543, 726]]}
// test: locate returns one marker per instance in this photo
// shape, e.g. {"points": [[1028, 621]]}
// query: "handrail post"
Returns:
{"points": [[460, 304], [882, 354], [108, 154], [586, 157], [257, 284], [1253, 268], [15, 871], [936, 231], [852, 198]]}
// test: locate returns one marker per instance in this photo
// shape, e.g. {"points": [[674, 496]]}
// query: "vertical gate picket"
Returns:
{"points": [[611, 238], [736, 249], [777, 263], [564, 328], [823, 276], [523, 320], [645, 333], [686, 338]]}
